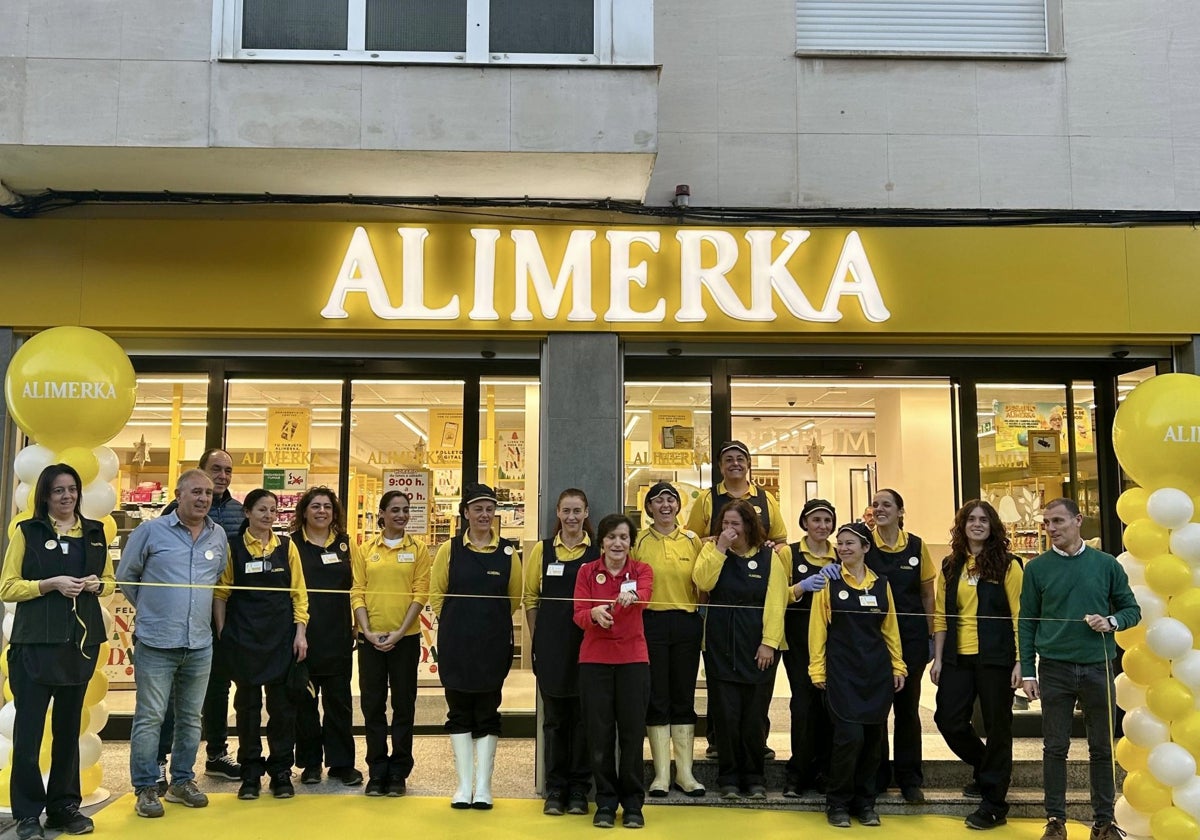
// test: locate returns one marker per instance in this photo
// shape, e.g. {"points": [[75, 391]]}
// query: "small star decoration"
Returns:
{"points": [[814, 452]]}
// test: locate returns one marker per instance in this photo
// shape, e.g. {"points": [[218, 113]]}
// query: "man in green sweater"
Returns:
{"points": [[1072, 600]]}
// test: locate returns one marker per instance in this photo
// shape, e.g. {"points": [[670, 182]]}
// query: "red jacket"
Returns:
{"points": [[625, 641]]}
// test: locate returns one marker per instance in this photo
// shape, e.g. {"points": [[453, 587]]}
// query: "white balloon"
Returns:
{"points": [[1129, 694], [5, 752], [99, 717], [1171, 764], [1135, 569], [8, 717], [90, 746], [108, 622], [110, 463], [98, 500], [1153, 606], [1131, 819], [1185, 542], [1170, 508], [21, 495], [1144, 729], [30, 462], [1186, 669], [1169, 637], [7, 625]]}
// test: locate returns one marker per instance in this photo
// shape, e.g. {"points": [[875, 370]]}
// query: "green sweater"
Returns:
{"points": [[1058, 587]]}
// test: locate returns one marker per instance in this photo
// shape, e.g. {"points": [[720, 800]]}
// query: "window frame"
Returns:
{"points": [[229, 31]]}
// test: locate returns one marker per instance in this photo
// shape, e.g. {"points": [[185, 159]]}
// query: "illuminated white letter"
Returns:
{"points": [[413, 287], [692, 275], [621, 274], [862, 285], [530, 265], [359, 273], [767, 275], [485, 274]]}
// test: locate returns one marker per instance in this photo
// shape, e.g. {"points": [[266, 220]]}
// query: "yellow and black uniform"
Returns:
{"points": [[747, 598], [388, 577], [979, 620], [701, 519], [330, 660], [854, 650], [810, 734], [673, 626], [256, 641], [53, 650], [475, 591], [550, 573], [907, 567]]}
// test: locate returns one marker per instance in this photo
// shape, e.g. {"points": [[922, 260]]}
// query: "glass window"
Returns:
{"points": [[542, 26], [417, 25], [294, 24]]}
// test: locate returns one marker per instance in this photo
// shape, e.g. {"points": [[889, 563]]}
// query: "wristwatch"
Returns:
{"points": [[1112, 623]]}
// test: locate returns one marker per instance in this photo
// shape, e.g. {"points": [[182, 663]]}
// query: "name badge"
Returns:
{"points": [[406, 557], [753, 564], [65, 548], [554, 570], [51, 543], [802, 568], [254, 567], [629, 586], [973, 580], [868, 600], [329, 558], [208, 555], [914, 561]]}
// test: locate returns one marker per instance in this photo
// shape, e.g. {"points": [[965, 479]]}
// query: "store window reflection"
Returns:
{"points": [[508, 453], [667, 438]]}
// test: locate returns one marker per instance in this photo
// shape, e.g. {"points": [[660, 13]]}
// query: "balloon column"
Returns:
{"points": [[71, 390], [1156, 435]]}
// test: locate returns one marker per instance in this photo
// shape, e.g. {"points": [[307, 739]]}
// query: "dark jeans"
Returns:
{"points": [[477, 712], [854, 765], [991, 763], [378, 674], [673, 638], [1061, 685], [565, 751], [739, 710], [215, 714], [281, 729], [27, 794], [613, 699], [332, 737], [811, 728], [905, 766]]}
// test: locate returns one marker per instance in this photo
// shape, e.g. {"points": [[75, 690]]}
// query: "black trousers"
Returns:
{"points": [[27, 794], [905, 766], [331, 738], [613, 699], [958, 687], [739, 710], [673, 638], [215, 714], [381, 674], [565, 739], [853, 765], [281, 729], [477, 712], [811, 730]]}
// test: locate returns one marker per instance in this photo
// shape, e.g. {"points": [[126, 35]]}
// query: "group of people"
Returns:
{"points": [[619, 619]]}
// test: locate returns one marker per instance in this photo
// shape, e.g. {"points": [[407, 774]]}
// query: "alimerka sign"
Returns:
{"points": [[562, 275]]}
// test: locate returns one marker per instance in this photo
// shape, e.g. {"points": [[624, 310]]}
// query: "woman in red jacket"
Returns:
{"points": [[614, 670]]}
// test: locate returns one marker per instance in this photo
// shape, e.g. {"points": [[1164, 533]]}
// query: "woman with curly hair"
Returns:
{"points": [[974, 659]]}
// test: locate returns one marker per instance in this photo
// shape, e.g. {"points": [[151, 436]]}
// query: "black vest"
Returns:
{"points": [[858, 667], [49, 619], [330, 622], [795, 618], [475, 635], [557, 637], [733, 628], [757, 498], [260, 626], [902, 570], [997, 645]]}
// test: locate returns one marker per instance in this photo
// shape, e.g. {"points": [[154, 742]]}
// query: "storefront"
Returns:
{"points": [[608, 357]]}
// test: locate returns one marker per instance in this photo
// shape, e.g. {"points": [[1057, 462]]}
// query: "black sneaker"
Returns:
{"points": [[310, 776], [867, 816], [1056, 829], [376, 787], [161, 784], [396, 786], [223, 767], [1100, 831], [281, 785], [633, 819], [554, 804], [349, 776], [30, 828], [913, 795], [838, 818], [710, 751], [973, 791], [729, 792], [604, 818], [756, 792], [250, 789], [982, 820], [577, 804], [791, 789], [768, 754]]}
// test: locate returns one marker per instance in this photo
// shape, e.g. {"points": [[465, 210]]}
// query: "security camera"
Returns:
{"points": [[488, 354], [791, 401], [1120, 353]]}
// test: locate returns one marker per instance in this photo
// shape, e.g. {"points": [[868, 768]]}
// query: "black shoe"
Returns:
{"points": [[69, 821], [310, 776], [161, 784], [838, 818], [633, 819], [223, 767], [710, 751], [30, 828], [729, 792], [376, 787], [983, 820], [577, 804], [281, 785], [554, 804], [396, 786], [913, 795], [1100, 831], [972, 791], [349, 776], [791, 789], [769, 754], [867, 816], [1056, 829], [250, 789], [604, 818], [756, 792]]}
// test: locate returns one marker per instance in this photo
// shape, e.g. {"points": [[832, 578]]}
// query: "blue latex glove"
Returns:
{"points": [[833, 571], [814, 583]]}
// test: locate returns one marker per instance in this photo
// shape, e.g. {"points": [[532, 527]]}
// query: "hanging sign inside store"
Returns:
{"points": [[511, 448], [1045, 457], [288, 431], [414, 484], [672, 439], [445, 437]]}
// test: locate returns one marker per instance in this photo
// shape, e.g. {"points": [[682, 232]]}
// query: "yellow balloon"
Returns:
{"points": [[1146, 793], [1168, 575], [5, 781], [1169, 699], [84, 462], [1135, 635], [1185, 607], [90, 778], [1145, 539], [1131, 756], [85, 718], [1174, 824], [1186, 732], [4, 663], [97, 687], [8, 692], [1151, 433], [16, 520], [110, 528], [102, 656], [70, 386], [1144, 667], [1131, 505]]}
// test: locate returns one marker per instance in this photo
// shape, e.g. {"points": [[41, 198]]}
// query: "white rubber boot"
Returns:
{"points": [[485, 757], [464, 763], [660, 752], [683, 738]]}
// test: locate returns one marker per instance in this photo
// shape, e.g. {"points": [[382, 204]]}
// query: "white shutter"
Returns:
{"points": [[922, 26]]}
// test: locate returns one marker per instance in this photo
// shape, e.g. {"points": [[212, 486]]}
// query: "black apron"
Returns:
{"points": [[757, 499], [260, 627], [475, 635], [557, 637], [795, 618], [330, 622], [858, 667], [734, 625], [898, 569]]}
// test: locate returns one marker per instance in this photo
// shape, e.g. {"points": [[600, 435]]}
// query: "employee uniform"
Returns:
{"points": [[614, 681], [906, 566], [977, 662], [747, 598], [330, 661], [475, 634], [388, 577], [701, 519], [854, 648], [810, 722], [550, 573], [257, 641], [52, 654]]}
